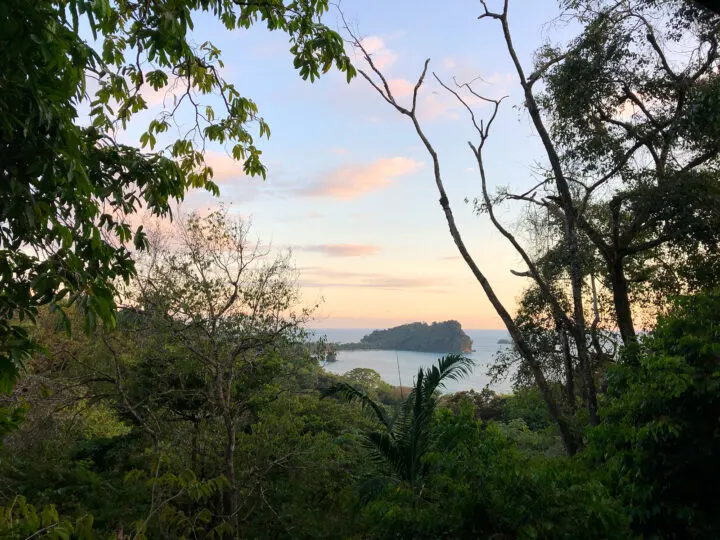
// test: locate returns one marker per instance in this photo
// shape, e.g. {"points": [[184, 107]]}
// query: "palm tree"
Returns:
{"points": [[403, 440]]}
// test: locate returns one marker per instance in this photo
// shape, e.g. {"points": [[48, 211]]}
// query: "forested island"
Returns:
{"points": [[438, 337]]}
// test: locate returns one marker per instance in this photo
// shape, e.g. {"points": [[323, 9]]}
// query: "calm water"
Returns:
{"points": [[485, 343]]}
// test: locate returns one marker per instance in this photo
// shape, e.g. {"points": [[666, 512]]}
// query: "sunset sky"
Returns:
{"points": [[350, 189]]}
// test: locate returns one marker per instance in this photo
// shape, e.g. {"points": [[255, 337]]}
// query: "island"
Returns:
{"points": [[438, 337]]}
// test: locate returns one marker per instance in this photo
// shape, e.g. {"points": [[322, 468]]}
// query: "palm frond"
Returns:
{"points": [[418, 397], [370, 488], [408, 435], [389, 453], [349, 393], [450, 367]]}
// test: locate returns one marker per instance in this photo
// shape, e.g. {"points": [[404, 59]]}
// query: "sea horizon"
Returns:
{"points": [[386, 362], [352, 334]]}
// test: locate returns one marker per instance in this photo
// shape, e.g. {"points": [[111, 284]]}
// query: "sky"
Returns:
{"points": [[350, 188]]}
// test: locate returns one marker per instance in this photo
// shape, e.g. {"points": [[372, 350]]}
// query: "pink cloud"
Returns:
{"points": [[449, 62], [343, 250], [164, 96], [328, 278], [439, 104], [354, 180], [224, 166], [381, 55], [401, 87]]}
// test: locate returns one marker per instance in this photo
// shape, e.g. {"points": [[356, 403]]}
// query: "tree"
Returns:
{"points": [[210, 338], [232, 309], [635, 140], [403, 440], [577, 327], [367, 380], [67, 186], [709, 5], [659, 442], [621, 57], [22, 520], [552, 344], [480, 484], [84, 446]]}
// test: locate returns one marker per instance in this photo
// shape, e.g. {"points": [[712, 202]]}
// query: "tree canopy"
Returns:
{"points": [[77, 72], [200, 407]]}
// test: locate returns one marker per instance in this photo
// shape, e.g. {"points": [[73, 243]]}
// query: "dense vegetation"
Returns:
{"points": [[199, 408], [438, 337], [113, 441], [68, 187]]}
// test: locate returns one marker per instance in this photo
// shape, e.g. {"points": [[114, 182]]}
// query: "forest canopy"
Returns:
{"points": [[163, 384]]}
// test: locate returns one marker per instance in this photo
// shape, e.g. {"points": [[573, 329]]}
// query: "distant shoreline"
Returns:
{"points": [[443, 337], [347, 347], [386, 361]]}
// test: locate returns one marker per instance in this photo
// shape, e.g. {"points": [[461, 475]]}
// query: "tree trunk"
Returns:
{"points": [[572, 445], [568, 436], [580, 327], [621, 299], [570, 441], [568, 364], [194, 443], [230, 497]]}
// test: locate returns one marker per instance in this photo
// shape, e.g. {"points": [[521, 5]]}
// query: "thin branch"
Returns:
{"points": [[542, 68], [637, 101], [701, 159], [520, 342], [654, 44], [483, 130]]}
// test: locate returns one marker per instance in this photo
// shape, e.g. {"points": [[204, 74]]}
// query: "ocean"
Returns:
{"points": [[485, 345]]}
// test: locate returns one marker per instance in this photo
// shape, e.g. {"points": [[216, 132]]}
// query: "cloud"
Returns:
{"points": [[224, 166], [440, 104], [401, 87], [340, 151], [381, 55], [352, 181], [436, 103], [449, 62], [327, 278], [343, 250], [166, 95], [294, 218]]}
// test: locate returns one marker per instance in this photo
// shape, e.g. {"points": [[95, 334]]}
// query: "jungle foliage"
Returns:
{"points": [[199, 409]]}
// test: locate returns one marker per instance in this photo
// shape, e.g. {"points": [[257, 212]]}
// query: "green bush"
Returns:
{"points": [[660, 439], [481, 486]]}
